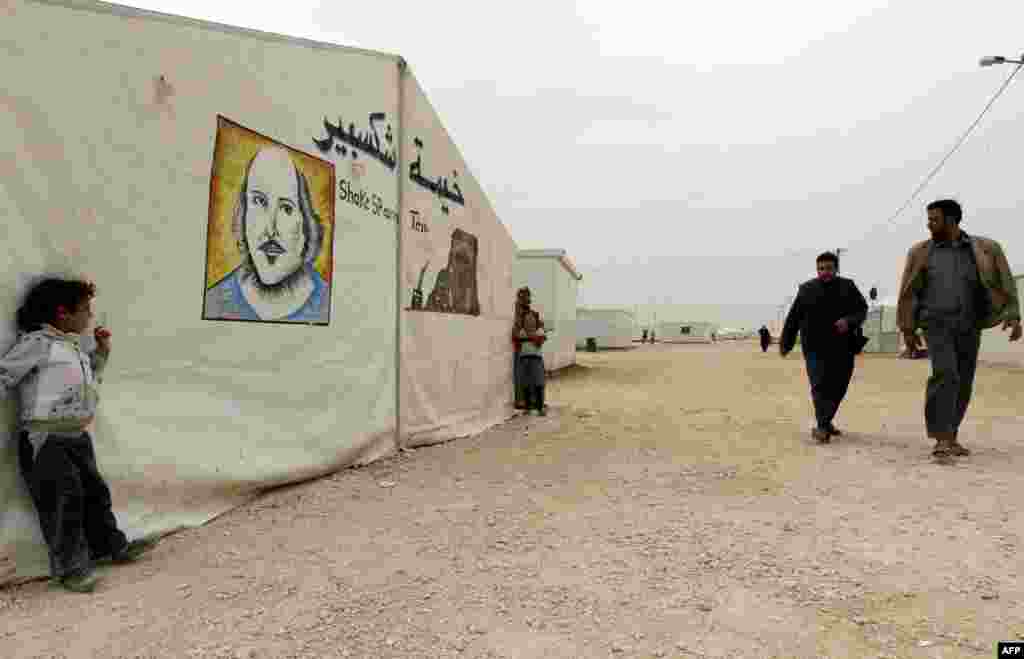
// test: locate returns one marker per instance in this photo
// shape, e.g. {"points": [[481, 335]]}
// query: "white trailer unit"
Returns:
{"points": [[685, 332], [881, 330], [610, 328], [732, 334], [995, 344], [554, 285]]}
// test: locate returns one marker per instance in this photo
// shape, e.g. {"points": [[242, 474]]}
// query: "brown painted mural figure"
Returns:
{"points": [[462, 270], [441, 297], [456, 290]]}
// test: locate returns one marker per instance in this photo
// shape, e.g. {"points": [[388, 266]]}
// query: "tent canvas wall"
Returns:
{"points": [[554, 285], [611, 328], [458, 297], [213, 394], [685, 332]]}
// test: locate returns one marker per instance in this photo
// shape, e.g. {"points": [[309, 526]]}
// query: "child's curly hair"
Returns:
{"points": [[40, 306]]}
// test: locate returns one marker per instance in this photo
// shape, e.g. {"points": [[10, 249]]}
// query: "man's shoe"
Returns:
{"points": [[821, 436], [956, 448], [80, 582], [833, 431], [944, 443], [133, 550]]}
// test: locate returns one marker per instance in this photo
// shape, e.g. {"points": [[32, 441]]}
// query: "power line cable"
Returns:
{"points": [[957, 145]]}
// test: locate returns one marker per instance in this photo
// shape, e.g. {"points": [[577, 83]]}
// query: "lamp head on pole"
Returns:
{"points": [[992, 60]]}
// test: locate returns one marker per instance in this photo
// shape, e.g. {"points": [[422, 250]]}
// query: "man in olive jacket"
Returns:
{"points": [[828, 312], [954, 286]]}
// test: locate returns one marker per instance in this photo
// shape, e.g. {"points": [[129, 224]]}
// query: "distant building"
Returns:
{"points": [[611, 328], [686, 332]]}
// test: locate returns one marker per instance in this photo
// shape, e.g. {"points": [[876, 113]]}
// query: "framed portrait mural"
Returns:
{"points": [[269, 236]]}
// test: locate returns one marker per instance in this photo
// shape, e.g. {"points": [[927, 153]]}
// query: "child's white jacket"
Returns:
{"points": [[57, 382]]}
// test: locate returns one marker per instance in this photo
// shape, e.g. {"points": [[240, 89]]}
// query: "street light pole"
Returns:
{"points": [[784, 307]]}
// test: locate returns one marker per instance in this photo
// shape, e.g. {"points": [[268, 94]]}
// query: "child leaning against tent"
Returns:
{"points": [[57, 386]]}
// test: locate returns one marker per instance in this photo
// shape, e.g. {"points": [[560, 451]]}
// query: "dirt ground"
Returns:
{"points": [[672, 505]]}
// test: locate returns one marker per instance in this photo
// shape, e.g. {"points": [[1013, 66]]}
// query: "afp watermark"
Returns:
{"points": [[1010, 649]]}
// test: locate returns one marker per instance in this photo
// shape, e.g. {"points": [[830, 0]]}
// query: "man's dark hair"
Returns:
{"points": [[950, 209], [825, 257], [40, 306]]}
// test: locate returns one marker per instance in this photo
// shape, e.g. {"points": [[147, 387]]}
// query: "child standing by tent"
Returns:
{"points": [[57, 386]]}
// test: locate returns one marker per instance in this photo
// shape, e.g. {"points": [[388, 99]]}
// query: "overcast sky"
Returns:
{"points": [[706, 152]]}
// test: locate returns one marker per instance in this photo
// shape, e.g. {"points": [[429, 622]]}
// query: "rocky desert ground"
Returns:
{"points": [[671, 505]]}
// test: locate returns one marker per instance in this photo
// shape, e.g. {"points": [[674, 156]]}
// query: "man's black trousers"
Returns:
{"points": [[829, 375], [73, 502]]}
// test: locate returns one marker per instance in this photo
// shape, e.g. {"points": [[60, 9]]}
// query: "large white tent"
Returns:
{"points": [[457, 300], [686, 332], [208, 400], [610, 328], [554, 286]]}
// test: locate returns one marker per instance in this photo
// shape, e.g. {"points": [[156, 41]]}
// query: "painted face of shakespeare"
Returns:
{"points": [[274, 220]]}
